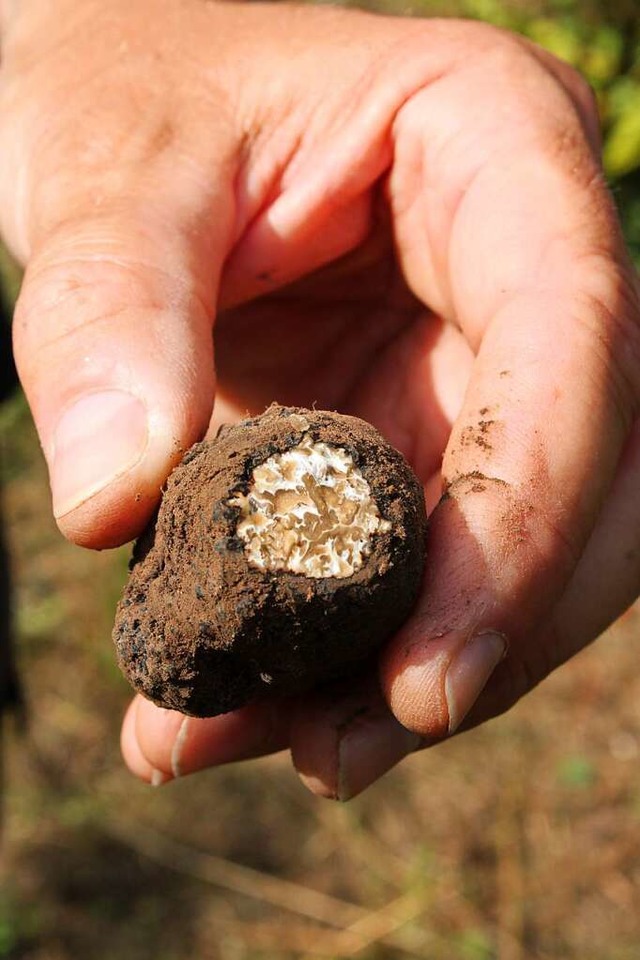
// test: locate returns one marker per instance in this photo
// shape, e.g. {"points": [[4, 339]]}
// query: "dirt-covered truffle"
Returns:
{"points": [[284, 552]]}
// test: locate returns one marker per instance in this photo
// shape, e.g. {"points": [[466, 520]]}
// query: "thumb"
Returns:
{"points": [[113, 345]]}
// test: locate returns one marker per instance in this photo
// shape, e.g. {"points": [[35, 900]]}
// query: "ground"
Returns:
{"points": [[517, 841]]}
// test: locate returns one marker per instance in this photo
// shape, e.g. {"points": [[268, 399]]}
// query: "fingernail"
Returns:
{"points": [[178, 748], [99, 438], [158, 778], [468, 673], [368, 750]]}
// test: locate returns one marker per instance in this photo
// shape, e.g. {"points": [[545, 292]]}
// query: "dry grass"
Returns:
{"points": [[518, 841]]}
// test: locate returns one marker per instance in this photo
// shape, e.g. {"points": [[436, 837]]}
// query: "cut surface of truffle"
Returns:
{"points": [[309, 510], [283, 554]]}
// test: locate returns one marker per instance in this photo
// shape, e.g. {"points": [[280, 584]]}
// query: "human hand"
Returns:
{"points": [[405, 220]]}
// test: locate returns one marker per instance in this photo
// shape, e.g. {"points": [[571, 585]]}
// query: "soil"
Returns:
{"points": [[201, 631]]}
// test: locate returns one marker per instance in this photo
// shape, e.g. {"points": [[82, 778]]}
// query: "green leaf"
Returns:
{"points": [[475, 945], [623, 96], [560, 37], [602, 58], [491, 11], [8, 938], [621, 152], [577, 771]]}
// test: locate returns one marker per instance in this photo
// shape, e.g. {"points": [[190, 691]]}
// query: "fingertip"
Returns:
{"points": [[314, 752], [109, 519], [109, 457], [133, 756], [340, 746], [179, 745], [115, 354], [431, 685], [115, 509], [412, 674], [341, 767], [319, 786], [158, 733], [79, 468]]}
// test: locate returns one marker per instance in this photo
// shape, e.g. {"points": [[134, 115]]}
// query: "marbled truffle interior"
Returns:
{"points": [[308, 510]]}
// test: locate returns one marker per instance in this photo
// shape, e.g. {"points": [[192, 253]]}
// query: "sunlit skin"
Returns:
{"points": [[405, 220]]}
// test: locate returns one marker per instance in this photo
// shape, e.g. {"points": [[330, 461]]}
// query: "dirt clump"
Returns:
{"points": [[284, 553]]}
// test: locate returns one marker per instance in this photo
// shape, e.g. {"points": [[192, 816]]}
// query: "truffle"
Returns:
{"points": [[283, 554]]}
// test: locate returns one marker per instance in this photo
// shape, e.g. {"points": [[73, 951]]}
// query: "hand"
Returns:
{"points": [[405, 220]]}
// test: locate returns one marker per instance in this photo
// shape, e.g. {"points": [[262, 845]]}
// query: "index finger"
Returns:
{"points": [[522, 249]]}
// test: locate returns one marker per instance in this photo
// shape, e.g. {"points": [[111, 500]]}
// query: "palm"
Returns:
{"points": [[350, 336]]}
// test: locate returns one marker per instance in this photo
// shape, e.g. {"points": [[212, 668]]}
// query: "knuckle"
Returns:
{"points": [[567, 140], [583, 100], [573, 81], [536, 536], [506, 55], [556, 100], [67, 294], [487, 38]]}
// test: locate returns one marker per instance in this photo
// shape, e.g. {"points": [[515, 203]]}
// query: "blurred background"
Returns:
{"points": [[517, 841]]}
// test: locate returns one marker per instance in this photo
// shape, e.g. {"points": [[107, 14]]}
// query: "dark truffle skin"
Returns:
{"points": [[201, 631]]}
